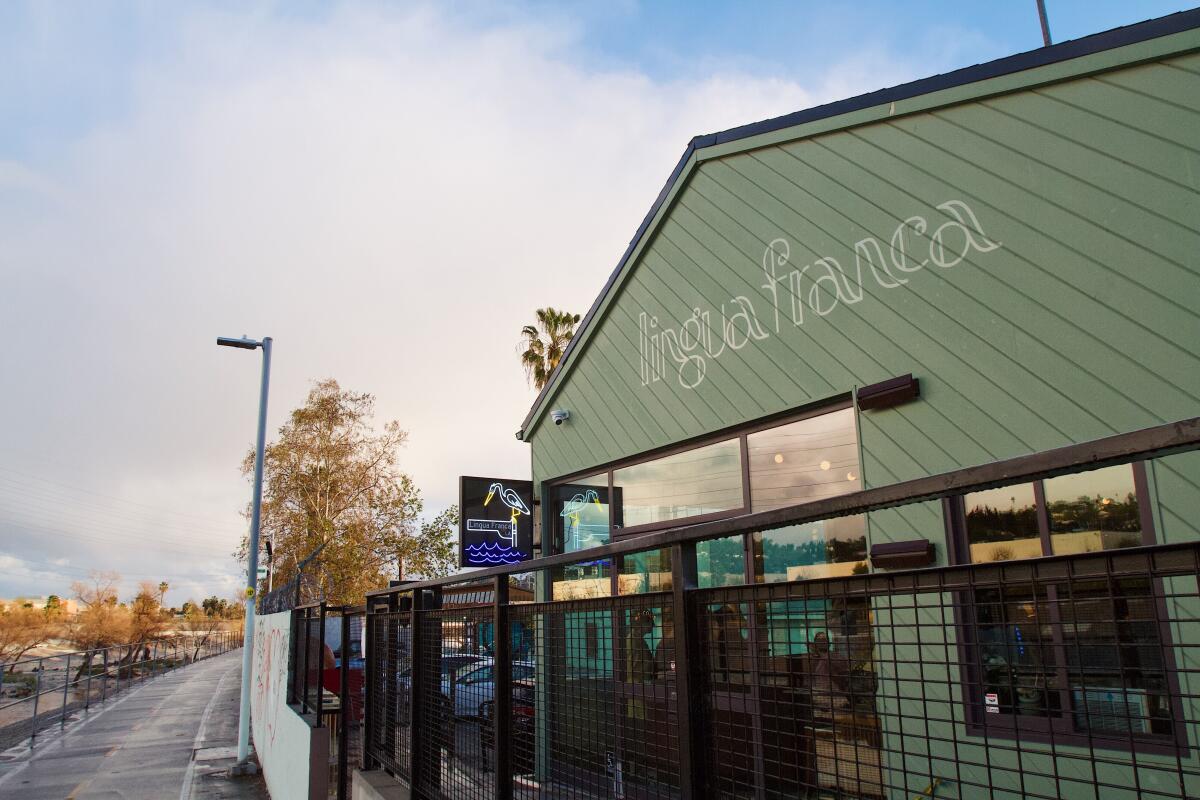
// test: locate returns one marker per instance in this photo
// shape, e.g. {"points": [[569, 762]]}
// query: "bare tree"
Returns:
{"points": [[101, 622]]}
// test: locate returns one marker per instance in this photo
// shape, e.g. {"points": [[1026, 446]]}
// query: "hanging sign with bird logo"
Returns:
{"points": [[495, 521]]}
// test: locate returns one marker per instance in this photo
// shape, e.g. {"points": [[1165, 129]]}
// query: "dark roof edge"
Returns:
{"points": [[1043, 56]]}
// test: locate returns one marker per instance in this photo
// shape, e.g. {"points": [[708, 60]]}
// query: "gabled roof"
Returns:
{"points": [[1045, 56]]}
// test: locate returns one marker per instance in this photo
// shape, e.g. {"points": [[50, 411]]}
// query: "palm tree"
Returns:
{"points": [[544, 343], [162, 591]]}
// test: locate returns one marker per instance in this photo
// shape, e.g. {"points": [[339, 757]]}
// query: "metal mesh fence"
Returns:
{"points": [[388, 713], [1068, 678], [458, 680], [595, 717], [348, 738], [1074, 676]]}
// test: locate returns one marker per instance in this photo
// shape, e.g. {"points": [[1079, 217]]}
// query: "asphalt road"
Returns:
{"points": [[141, 745]]}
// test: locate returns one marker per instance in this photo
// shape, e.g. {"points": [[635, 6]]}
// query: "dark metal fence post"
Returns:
{"points": [[391, 661], [320, 664], [417, 732], [37, 693], [502, 694], [87, 692], [304, 675], [344, 709], [104, 680], [293, 657], [683, 579], [62, 717], [372, 690]]}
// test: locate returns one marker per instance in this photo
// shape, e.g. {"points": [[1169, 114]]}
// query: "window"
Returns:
{"points": [[803, 461], [1080, 513], [695, 483], [721, 562], [648, 571], [581, 513], [823, 549], [581, 580], [769, 465], [1079, 657]]}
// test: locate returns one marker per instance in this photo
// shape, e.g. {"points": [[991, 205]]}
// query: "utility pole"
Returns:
{"points": [[1041, 4]]}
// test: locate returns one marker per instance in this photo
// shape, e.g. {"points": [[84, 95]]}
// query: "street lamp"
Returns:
{"points": [[243, 753]]}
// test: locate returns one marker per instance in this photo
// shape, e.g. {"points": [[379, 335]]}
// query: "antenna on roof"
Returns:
{"points": [[1041, 4]]}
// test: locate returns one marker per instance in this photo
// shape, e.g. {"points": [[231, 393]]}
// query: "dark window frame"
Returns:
{"points": [[740, 431], [1060, 730]]}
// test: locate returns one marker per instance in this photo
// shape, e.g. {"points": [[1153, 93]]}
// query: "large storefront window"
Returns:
{"points": [[699, 482], [1080, 657]]}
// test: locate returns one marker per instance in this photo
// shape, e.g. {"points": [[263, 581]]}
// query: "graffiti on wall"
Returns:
{"points": [[793, 293], [270, 681]]}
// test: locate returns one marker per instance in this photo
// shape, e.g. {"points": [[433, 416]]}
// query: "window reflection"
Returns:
{"points": [[1016, 649], [648, 571], [701, 481], [803, 461], [581, 512], [720, 562], [582, 580], [1092, 511], [1002, 524], [828, 548]]}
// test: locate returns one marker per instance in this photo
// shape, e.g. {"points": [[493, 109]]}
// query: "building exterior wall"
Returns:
{"points": [[1029, 249], [1042, 289]]}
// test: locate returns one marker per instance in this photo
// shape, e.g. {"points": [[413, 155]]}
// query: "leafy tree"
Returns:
{"points": [[431, 552], [545, 342], [22, 628], [331, 484]]}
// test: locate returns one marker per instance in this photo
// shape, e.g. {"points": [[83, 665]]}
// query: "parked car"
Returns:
{"points": [[523, 732], [474, 686], [451, 663]]}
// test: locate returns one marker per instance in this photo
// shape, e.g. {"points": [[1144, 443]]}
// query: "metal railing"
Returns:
{"points": [[38, 692], [1062, 676], [326, 682]]}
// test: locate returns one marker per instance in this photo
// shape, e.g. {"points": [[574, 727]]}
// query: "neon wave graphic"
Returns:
{"points": [[493, 554]]}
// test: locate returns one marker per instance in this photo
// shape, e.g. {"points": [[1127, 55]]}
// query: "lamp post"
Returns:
{"points": [[243, 752]]}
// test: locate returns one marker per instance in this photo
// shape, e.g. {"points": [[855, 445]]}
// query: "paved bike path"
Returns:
{"points": [[141, 745]]}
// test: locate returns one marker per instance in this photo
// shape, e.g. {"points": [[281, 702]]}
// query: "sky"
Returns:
{"points": [[388, 190]]}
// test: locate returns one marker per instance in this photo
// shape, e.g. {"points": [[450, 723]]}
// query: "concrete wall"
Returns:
{"points": [[294, 756]]}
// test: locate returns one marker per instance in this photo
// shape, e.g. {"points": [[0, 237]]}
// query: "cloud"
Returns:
{"points": [[389, 193]]}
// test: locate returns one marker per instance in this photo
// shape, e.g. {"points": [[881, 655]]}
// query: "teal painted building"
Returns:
{"points": [[1021, 237]]}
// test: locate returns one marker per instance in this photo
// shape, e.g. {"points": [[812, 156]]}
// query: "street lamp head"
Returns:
{"points": [[244, 343]]}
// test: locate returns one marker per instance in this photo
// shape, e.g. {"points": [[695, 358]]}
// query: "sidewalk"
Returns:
{"points": [[175, 736]]}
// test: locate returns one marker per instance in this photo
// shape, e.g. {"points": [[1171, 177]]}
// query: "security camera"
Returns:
{"points": [[560, 415]]}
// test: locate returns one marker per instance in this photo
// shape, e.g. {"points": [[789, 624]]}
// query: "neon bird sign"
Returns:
{"points": [[491, 532]]}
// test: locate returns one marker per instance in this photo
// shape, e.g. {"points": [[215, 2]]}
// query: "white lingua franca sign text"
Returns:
{"points": [[791, 292]]}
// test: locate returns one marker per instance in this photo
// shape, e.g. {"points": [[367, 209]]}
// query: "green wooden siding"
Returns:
{"points": [[1075, 315], [1082, 322]]}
